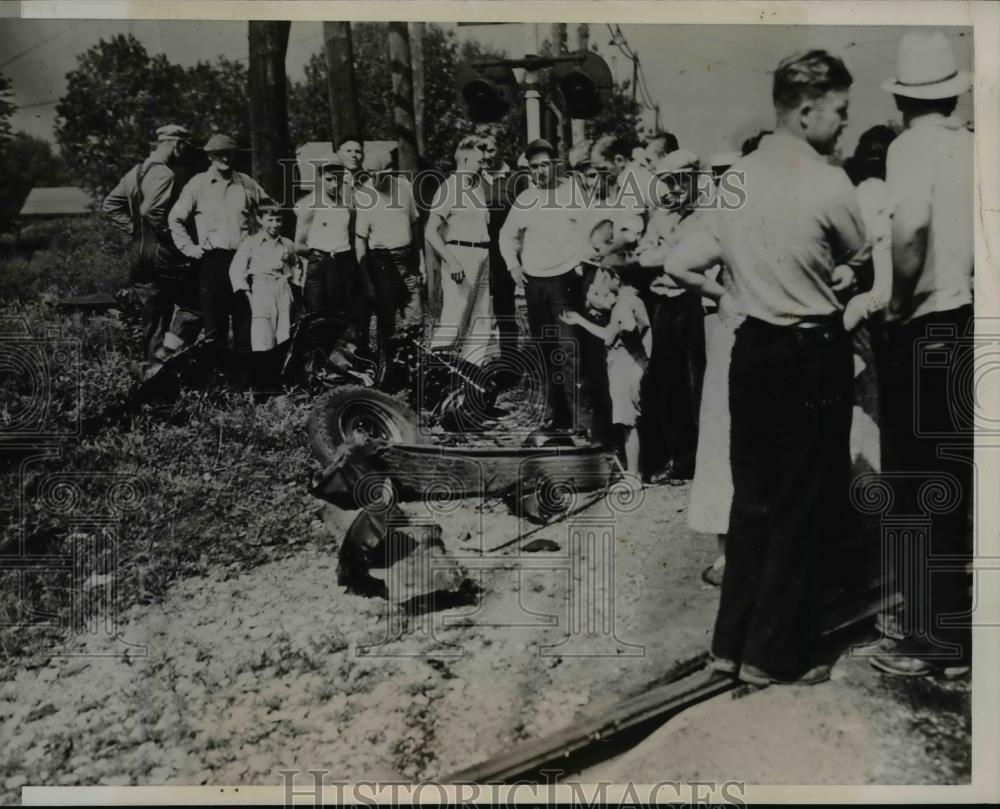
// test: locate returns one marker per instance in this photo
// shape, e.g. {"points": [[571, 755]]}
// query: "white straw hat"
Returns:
{"points": [[926, 68]]}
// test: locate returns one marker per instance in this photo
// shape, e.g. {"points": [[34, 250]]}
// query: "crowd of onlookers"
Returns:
{"points": [[704, 339]]}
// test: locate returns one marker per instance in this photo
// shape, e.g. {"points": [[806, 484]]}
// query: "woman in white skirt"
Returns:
{"points": [[457, 231]]}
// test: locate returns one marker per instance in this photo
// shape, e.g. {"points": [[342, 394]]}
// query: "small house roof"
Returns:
{"points": [[59, 201]]}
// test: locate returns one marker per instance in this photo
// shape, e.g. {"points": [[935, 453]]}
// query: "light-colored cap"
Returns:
{"points": [[221, 143], [926, 68], [173, 132], [678, 160]]}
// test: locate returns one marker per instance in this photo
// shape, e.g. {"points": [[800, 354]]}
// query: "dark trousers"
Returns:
{"points": [[397, 285], [546, 298], [335, 287], [672, 395], [790, 401], [502, 293], [157, 309], [927, 452], [219, 304]]}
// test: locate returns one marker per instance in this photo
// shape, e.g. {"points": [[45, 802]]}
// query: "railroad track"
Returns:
{"points": [[627, 722]]}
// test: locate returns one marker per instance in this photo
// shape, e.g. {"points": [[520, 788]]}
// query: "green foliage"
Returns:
{"points": [[62, 258], [7, 107], [118, 95], [25, 162]]}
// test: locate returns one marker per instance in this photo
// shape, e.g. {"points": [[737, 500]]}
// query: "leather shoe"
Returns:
{"points": [[723, 666], [755, 676], [903, 666]]}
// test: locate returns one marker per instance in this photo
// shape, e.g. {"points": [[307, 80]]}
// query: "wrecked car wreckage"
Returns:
{"points": [[376, 452]]}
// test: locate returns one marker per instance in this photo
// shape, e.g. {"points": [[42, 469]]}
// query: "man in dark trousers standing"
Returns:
{"points": [[139, 204], [502, 187], [216, 210], [790, 248], [927, 409]]}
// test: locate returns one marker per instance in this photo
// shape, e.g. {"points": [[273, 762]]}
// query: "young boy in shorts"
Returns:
{"points": [[261, 268]]}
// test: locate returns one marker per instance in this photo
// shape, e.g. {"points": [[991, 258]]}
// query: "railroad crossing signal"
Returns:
{"points": [[489, 90], [585, 85], [489, 93]]}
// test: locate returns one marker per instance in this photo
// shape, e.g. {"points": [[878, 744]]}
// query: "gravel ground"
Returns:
{"points": [[250, 672]]}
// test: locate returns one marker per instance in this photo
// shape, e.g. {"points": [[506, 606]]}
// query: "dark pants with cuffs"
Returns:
{"points": [[334, 287], [926, 400], [546, 298], [790, 402], [219, 304], [672, 386]]}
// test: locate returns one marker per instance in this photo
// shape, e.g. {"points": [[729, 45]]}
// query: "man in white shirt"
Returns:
{"points": [[541, 244], [216, 210], [927, 412]]}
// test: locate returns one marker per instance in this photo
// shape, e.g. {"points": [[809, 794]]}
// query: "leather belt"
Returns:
{"points": [[460, 243]]}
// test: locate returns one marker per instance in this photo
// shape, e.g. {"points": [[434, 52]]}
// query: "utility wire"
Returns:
{"points": [[37, 45]]}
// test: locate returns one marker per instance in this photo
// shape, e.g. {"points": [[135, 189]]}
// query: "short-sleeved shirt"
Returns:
{"points": [[931, 164], [799, 221], [330, 229], [385, 219], [463, 210]]}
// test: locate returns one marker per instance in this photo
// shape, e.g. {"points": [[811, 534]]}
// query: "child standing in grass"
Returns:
{"points": [[261, 269], [628, 338]]}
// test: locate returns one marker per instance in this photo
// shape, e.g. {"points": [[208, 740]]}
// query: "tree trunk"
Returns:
{"points": [[270, 142], [402, 95], [417, 63], [345, 110]]}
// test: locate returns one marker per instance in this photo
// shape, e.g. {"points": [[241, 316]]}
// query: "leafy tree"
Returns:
{"points": [[118, 96], [217, 100], [7, 106], [444, 121], [25, 162], [115, 99]]}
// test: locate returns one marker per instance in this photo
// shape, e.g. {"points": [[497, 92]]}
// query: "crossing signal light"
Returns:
{"points": [[488, 93], [585, 84]]}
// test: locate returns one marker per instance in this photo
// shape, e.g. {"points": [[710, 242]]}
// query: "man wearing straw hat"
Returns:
{"points": [[927, 434]]}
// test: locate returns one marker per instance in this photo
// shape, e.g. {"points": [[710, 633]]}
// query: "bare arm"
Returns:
{"points": [[303, 221]]}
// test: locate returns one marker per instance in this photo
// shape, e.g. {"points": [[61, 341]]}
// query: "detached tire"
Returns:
{"points": [[354, 409]]}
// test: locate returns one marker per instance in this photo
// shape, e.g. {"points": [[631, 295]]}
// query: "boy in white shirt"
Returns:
{"points": [[263, 263]]}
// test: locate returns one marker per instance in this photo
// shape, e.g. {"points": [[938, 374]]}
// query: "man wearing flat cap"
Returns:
{"points": [[213, 214], [927, 410], [139, 204]]}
